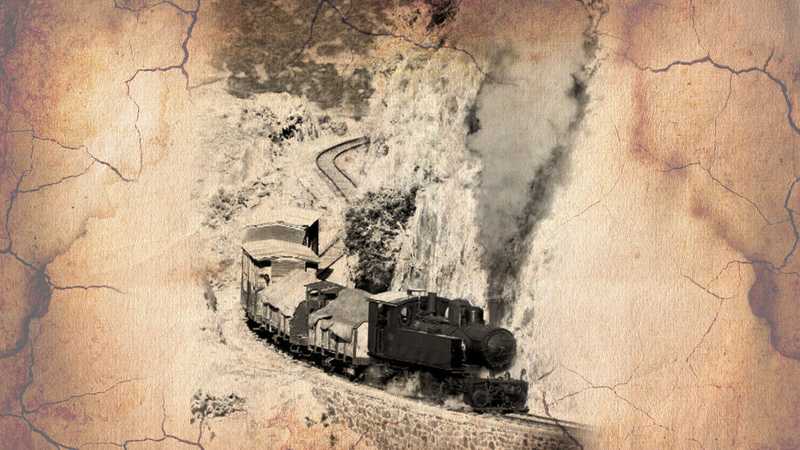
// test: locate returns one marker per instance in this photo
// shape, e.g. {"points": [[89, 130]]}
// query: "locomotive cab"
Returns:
{"points": [[397, 332]]}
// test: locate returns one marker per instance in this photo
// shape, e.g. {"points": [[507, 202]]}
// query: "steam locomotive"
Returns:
{"points": [[372, 338]]}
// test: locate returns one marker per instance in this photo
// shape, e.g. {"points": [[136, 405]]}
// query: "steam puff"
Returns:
{"points": [[527, 111]]}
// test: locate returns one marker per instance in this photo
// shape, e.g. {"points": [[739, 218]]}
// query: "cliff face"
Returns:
{"points": [[419, 139]]}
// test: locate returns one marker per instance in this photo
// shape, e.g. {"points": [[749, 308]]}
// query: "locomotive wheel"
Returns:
{"points": [[480, 398], [432, 387]]}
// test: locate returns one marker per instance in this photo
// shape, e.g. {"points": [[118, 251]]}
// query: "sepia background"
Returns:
{"points": [[614, 180]]}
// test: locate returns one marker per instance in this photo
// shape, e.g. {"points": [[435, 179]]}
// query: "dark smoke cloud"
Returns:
{"points": [[524, 121]]}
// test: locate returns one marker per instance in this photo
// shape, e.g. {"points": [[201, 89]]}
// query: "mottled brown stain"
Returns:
{"points": [[699, 210], [482, 26], [15, 372], [775, 298], [638, 142], [763, 292], [15, 434], [678, 170]]}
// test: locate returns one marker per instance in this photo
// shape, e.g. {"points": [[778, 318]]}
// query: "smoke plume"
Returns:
{"points": [[522, 128]]}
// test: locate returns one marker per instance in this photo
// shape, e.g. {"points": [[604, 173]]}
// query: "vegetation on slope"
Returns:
{"points": [[371, 225]]}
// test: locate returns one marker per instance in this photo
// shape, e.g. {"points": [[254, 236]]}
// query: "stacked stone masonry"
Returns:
{"points": [[392, 422]]}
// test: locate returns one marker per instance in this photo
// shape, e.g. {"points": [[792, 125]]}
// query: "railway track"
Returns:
{"points": [[526, 419], [535, 419], [326, 163], [342, 185]]}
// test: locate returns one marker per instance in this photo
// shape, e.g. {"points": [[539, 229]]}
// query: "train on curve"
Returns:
{"points": [[372, 338]]}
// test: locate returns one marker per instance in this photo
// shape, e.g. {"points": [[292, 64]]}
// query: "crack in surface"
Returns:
{"points": [[708, 59], [388, 34], [791, 213], [716, 122], [57, 182], [11, 201], [20, 398], [310, 37], [564, 429], [707, 171], [25, 411], [613, 390], [694, 25], [721, 300], [85, 287], [716, 180], [73, 397], [181, 66], [165, 435], [94, 159]]}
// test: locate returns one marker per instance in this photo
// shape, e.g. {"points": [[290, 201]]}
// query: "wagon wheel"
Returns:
{"points": [[358, 374], [376, 375]]}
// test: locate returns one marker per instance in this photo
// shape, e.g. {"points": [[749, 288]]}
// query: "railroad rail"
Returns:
{"points": [[326, 163], [567, 426], [341, 183]]}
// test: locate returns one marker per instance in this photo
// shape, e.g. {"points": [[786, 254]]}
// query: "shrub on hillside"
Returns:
{"points": [[223, 205], [371, 225]]}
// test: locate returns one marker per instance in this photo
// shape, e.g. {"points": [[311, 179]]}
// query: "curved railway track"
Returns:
{"points": [[341, 183], [326, 163]]}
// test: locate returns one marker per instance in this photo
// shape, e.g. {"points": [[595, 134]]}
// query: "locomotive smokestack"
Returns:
{"points": [[432, 302]]}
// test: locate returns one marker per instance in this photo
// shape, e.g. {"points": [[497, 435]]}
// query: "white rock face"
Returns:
{"points": [[415, 142]]}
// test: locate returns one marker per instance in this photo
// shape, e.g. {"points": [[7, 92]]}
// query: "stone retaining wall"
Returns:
{"points": [[398, 423]]}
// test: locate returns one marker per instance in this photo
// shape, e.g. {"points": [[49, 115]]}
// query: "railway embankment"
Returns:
{"points": [[392, 422]]}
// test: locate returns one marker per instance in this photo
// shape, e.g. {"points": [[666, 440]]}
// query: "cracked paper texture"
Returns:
{"points": [[624, 171]]}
